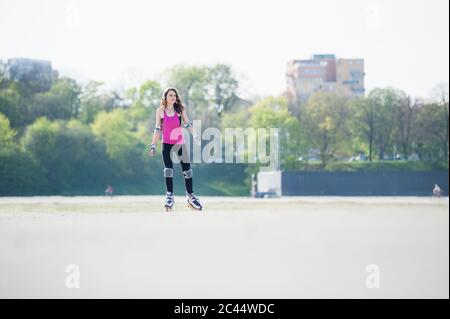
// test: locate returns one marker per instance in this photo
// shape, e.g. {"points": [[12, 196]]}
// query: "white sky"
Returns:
{"points": [[405, 43]]}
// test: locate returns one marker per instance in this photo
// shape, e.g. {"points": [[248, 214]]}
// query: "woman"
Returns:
{"points": [[168, 121]]}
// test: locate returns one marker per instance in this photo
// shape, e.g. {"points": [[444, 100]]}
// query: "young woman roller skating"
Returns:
{"points": [[168, 121]]}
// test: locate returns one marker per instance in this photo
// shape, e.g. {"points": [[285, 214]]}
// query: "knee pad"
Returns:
{"points": [[168, 172], [188, 174]]}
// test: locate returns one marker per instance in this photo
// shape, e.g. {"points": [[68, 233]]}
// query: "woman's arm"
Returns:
{"points": [[156, 133], [158, 127], [188, 125]]}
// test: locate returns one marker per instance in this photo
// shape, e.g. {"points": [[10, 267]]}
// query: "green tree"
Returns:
{"points": [[60, 102], [384, 101], [325, 123], [192, 83], [143, 103], [39, 140], [272, 112], [441, 95], [95, 99], [404, 114], [362, 123], [115, 130], [3, 74], [221, 87], [6, 133], [13, 106], [431, 141], [69, 92], [21, 174], [68, 153], [85, 155]]}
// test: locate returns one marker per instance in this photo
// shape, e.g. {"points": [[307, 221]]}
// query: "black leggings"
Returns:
{"points": [[183, 156]]}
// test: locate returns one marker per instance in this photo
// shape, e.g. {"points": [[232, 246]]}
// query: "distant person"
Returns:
{"points": [[437, 191], [168, 121], [109, 191], [254, 187]]}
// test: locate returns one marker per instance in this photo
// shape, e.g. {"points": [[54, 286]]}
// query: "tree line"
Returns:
{"points": [[60, 137]]}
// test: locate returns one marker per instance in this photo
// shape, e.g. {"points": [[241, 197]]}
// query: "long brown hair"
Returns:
{"points": [[178, 105]]}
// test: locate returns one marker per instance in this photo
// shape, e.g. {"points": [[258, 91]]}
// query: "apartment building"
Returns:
{"points": [[326, 73]]}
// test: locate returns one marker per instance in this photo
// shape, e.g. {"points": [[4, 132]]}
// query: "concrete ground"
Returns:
{"points": [[295, 247]]}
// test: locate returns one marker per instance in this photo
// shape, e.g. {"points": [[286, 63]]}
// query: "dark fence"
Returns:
{"points": [[383, 183]]}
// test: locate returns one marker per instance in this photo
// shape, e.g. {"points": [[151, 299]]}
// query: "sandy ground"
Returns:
{"points": [[295, 247]]}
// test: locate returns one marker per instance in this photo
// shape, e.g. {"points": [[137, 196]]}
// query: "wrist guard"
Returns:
{"points": [[188, 124]]}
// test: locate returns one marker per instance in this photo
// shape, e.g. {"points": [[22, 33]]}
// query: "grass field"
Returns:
{"points": [[294, 247]]}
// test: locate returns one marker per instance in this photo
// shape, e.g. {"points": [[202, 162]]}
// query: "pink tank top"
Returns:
{"points": [[172, 131]]}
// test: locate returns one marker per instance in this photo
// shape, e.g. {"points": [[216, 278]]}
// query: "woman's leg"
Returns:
{"points": [[192, 200], [168, 164], [187, 172], [183, 155]]}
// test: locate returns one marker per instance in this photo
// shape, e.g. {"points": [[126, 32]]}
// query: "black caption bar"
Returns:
{"points": [[232, 308]]}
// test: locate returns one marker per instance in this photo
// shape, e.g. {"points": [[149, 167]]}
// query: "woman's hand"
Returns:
{"points": [[163, 103], [152, 150]]}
